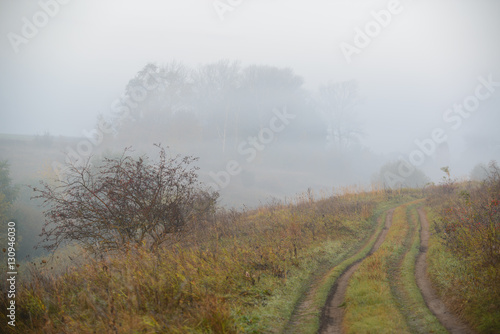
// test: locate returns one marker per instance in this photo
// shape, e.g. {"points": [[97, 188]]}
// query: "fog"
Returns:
{"points": [[332, 90]]}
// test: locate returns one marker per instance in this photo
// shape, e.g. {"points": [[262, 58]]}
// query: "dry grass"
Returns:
{"points": [[241, 273]]}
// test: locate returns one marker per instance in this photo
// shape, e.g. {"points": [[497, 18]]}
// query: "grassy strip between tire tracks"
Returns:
{"points": [[370, 303]]}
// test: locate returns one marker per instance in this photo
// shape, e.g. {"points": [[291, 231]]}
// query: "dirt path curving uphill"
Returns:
{"points": [[451, 322], [333, 313]]}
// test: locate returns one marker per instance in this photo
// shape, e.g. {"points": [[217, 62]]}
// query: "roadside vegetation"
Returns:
{"points": [[464, 249]]}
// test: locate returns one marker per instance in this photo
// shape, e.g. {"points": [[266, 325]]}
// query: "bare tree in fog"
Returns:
{"points": [[338, 102], [215, 87]]}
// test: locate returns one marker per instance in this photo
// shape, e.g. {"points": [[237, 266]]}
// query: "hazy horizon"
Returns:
{"points": [[423, 60]]}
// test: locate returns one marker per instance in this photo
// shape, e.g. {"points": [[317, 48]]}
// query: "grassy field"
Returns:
{"points": [[246, 273], [272, 269]]}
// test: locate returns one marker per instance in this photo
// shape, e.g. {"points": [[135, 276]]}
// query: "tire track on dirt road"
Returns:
{"points": [[333, 312], [307, 314], [450, 321]]}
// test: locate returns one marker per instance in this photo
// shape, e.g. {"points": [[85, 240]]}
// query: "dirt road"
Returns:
{"points": [[333, 313]]}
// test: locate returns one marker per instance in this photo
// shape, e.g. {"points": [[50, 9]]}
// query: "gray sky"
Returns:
{"points": [[426, 59]]}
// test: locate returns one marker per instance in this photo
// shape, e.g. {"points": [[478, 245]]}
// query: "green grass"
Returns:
{"points": [[281, 306], [320, 261], [309, 322]]}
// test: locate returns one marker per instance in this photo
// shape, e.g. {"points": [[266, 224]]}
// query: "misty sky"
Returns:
{"points": [[427, 58]]}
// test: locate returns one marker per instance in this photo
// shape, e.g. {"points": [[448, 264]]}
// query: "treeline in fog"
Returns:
{"points": [[248, 124]]}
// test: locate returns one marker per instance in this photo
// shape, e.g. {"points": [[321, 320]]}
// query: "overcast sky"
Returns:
{"points": [[426, 59]]}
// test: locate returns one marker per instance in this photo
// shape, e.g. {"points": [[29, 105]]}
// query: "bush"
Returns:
{"points": [[470, 222], [123, 201], [400, 174]]}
